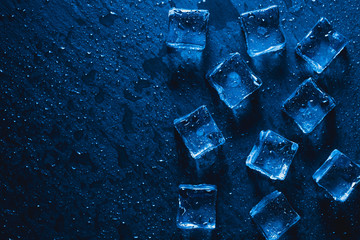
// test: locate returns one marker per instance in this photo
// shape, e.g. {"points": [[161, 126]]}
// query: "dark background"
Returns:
{"points": [[88, 147]]}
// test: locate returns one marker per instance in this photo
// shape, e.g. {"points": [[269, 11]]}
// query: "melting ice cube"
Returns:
{"points": [[308, 105], [262, 31], [197, 206], [199, 132], [233, 80], [274, 215], [187, 28], [321, 45], [338, 175], [272, 155]]}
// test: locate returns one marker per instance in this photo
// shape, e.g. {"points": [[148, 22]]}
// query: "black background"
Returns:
{"points": [[88, 147]]}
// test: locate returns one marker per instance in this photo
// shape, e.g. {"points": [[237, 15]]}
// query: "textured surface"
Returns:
{"points": [[88, 147]]}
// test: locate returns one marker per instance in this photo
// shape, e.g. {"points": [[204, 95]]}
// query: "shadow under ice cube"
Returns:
{"points": [[197, 206], [338, 175], [199, 132], [234, 81], [308, 105], [321, 45], [274, 215], [187, 28], [272, 155], [262, 31]]}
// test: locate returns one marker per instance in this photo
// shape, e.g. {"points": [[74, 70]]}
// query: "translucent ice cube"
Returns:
{"points": [[199, 132], [338, 175], [274, 215], [187, 28], [272, 155], [321, 45], [197, 206], [233, 80], [308, 105], [294, 6], [262, 31]]}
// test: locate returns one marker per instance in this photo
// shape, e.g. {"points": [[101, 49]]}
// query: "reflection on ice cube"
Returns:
{"points": [[321, 45], [272, 155], [187, 28], [199, 132], [262, 31], [274, 215], [197, 206], [338, 175], [308, 105], [233, 80]]}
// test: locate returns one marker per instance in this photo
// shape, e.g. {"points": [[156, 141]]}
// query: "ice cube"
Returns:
{"points": [[294, 6], [274, 215], [262, 31], [272, 155], [233, 80], [338, 175], [197, 206], [308, 105], [321, 45], [187, 28], [199, 132]]}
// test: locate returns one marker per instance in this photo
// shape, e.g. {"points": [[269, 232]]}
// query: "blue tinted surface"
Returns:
{"points": [[88, 100]]}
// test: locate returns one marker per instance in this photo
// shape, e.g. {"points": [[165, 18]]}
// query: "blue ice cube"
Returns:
{"points": [[294, 6], [274, 215], [197, 206], [233, 80], [338, 175], [272, 155], [308, 105], [262, 31], [188, 28], [199, 132], [321, 45]]}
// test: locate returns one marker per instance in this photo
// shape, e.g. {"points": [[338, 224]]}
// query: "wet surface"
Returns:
{"points": [[89, 95]]}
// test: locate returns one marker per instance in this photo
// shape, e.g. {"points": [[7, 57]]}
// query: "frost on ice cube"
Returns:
{"points": [[262, 31], [274, 215], [199, 132], [272, 155], [308, 105], [338, 175], [321, 45], [187, 28], [197, 206], [233, 80]]}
